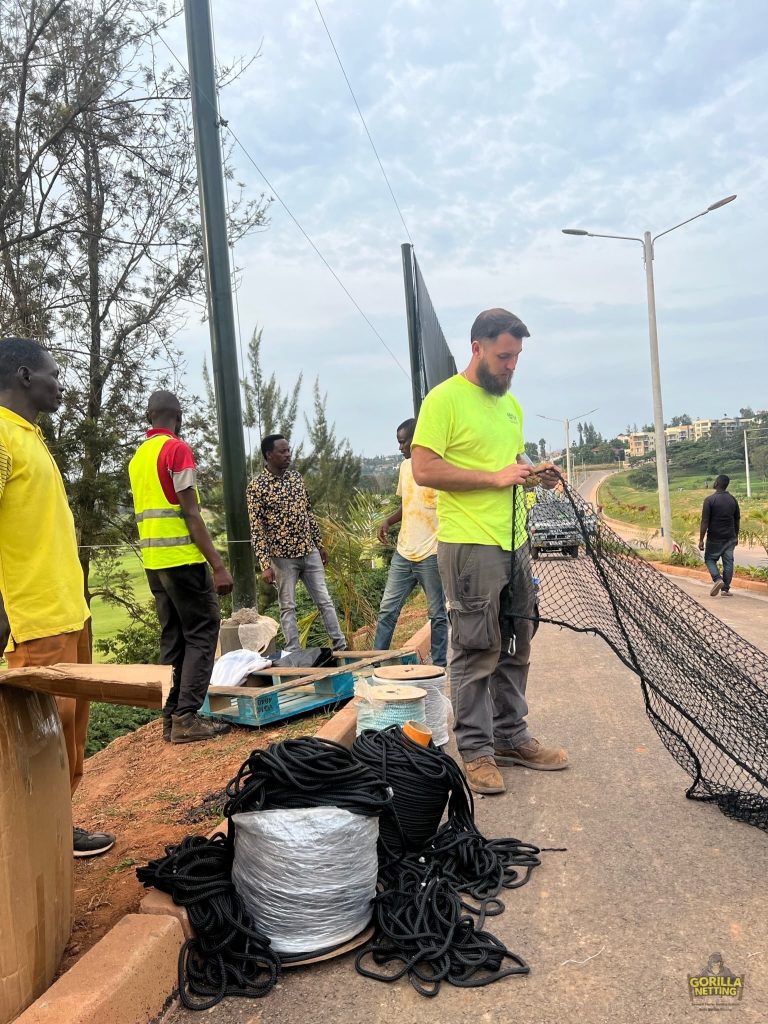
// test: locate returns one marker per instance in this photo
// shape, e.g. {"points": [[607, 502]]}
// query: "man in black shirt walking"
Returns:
{"points": [[720, 518]]}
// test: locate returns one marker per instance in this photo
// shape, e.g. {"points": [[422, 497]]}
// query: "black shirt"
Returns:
{"points": [[720, 517]]}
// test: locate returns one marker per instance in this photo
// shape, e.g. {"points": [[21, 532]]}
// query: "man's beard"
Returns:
{"points": [[490, 382]]}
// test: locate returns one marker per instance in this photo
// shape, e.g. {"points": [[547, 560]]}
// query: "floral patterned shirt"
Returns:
{"points": [[281, 518]]}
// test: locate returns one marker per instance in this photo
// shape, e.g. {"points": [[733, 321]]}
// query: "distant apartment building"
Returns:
{"points": [[642, 442]]}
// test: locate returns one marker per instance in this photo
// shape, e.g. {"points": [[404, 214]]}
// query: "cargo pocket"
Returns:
{"points": [[471, 624]]}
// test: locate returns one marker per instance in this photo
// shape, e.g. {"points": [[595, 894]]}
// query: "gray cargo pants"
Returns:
{"points": [[487, 684]]}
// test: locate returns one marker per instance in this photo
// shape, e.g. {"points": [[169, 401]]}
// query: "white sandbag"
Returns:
{"points": [[308, 876]]}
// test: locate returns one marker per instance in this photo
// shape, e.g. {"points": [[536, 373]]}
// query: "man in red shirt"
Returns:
{"points": [[175, 546]]}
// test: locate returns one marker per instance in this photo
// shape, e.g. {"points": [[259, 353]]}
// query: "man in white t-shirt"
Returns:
{"points": [[415, 560]]}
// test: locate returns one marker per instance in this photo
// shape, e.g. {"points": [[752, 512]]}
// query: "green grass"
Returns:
{"points": [[108, 619], [622, 501]]}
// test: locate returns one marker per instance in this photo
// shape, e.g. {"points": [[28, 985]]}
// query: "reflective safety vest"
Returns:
{"points": [[163, 534]]}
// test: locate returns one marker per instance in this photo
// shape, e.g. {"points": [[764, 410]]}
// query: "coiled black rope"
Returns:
{"points": [[421, 928], [306, 772], [420, 911], [421, 781], [228, 956]]}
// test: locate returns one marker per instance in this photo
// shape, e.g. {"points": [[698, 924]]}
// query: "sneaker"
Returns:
{"points": [[167, 727], [483, 776], [716, 588], [533, 755], [190, 727], [91, 844], [726, 592]]}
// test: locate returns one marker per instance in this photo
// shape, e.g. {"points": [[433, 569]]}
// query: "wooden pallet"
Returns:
{"points": [[277, 693]]}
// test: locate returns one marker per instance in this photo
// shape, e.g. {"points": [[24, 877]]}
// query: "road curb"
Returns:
{"points": [[128, 977], [738, 583]]}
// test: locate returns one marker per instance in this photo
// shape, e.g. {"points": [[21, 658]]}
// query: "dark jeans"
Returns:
{"points": [[188, 610], [402, 578], [716, 550]]}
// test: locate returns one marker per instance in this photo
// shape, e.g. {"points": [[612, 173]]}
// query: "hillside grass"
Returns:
{"points": [[109, 618], [687, 491]]}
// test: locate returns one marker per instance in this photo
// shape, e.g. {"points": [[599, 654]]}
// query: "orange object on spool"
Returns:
{"points": [[417, 732]]}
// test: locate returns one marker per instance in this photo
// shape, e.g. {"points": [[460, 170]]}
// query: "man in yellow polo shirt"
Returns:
{"points": [[469, 446], [40, 574]]}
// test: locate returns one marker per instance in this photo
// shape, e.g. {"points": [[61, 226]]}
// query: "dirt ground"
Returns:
{"points": [[151, 794]]}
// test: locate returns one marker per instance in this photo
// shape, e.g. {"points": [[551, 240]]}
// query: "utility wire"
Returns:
{"points": [[272, 189], [365, 126]]}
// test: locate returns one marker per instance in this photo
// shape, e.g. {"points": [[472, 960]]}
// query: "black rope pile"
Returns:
{"points": [[705, 687], [228, 955], [424, 918], [306, 772]]}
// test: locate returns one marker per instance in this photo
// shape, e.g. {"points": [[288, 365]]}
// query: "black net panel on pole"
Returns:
{"points": [[705, 687], [437, 361]]}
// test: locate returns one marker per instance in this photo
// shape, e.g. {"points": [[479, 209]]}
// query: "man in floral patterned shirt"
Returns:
{"points": [[287, 542]]}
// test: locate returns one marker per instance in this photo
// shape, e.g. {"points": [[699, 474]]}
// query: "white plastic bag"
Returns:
{"points": [[307, 876], [233, 669]]}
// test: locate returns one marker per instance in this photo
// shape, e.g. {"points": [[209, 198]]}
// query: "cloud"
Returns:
{"points": [[498, 125]]}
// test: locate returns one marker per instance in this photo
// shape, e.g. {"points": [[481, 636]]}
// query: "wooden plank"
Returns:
{"points": [[131, 685]]}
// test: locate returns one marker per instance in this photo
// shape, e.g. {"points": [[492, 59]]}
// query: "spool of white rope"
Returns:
{"points": [[307, 875], [431, 678], [388, 704]]}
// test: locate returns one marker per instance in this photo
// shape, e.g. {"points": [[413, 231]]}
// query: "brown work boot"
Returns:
{"points": [[190, 727], [167, 727], [531, 754], [483, 776]]}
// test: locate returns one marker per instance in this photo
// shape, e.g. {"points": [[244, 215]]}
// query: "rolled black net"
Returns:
{"points": [[705, 687]]}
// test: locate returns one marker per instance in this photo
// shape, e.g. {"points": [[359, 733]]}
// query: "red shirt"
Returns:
{"points": [[175, 465]]}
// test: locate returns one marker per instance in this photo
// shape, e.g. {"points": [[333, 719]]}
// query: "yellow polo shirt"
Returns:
{"points": [[41, 579], [472, 429]]}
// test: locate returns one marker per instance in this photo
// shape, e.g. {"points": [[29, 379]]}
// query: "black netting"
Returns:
{"points": [[705, 687], [437, 363]]}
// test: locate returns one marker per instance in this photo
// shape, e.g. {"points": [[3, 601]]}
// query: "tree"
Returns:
{"points": [[746, 413], [331, 469], [267, 407], [682, 421], [99, 229], [532, 451], [542, 448]]}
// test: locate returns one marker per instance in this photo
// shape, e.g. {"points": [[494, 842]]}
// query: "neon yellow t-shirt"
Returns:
{"points": [[418, 530], [40, 575], [472, 429]]}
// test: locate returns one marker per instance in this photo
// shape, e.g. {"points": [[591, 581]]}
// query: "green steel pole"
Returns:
{"points": [[226, 379]]}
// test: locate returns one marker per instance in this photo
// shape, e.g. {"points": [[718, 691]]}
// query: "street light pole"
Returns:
{"points": [[567, 424], [746, 466], [665, 509], [662, 477]]}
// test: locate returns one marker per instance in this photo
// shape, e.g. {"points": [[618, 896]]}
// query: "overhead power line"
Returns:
{"points": [[365, 126]]}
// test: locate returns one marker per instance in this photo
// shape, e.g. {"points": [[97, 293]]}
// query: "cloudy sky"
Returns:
{"points": [[499, 124]]}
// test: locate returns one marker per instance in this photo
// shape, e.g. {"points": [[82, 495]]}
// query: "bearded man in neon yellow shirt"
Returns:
{"points": [[469, 446]]}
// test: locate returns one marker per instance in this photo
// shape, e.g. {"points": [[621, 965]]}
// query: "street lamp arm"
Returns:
{"points": [[709, 209], [592, 234], [626, 238], [682, 222], [552, 419]]}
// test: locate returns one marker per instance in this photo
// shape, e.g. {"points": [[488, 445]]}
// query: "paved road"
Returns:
{"points": [[651, 885], [588, 489]]}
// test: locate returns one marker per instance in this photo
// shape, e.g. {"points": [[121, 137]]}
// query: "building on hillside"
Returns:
{"points": [[641, 442], [644, 441]]}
